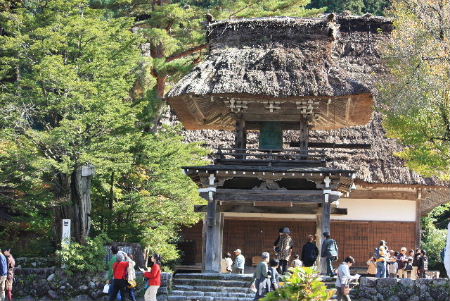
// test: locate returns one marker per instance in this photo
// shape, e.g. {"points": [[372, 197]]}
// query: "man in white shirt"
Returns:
{"points": [[239, 262], [344, 278]]}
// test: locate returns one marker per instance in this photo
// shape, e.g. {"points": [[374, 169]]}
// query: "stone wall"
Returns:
{"points": [[46, 284], [391, 289]]}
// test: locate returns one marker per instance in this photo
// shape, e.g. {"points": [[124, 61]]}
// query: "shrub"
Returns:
{"points": [[304, 284], [88, 257]]}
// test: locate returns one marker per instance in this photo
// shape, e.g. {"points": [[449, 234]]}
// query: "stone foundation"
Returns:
{"points": [[391, 289], [56, 284]]}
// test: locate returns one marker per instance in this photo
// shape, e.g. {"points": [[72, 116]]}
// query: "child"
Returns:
{"points": [[228, 263], [296, 262], [423, 264], [274, 276], [409, 263], [372, 267], [393, 264]]}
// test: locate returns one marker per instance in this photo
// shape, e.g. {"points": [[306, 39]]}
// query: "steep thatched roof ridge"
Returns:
{"points": [[284, 57]]}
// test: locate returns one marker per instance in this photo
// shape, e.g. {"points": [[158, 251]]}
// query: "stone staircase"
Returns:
{"points": [[218, 287], [211, 287]]}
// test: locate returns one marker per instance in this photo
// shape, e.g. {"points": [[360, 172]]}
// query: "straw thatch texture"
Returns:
{"points": [[285, 57]]}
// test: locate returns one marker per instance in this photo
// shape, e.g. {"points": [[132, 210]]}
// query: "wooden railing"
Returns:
{"points": [[237, 155]]}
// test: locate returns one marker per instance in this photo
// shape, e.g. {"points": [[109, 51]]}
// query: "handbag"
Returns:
{"points": [[345, 289], [253, 287], [132, 283], [106, 288]]}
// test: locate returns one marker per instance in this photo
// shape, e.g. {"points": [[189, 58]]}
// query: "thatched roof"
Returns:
{"points": [[286, 60]]}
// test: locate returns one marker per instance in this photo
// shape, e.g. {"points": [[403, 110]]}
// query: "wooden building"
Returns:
{"points": [[288, 104]]}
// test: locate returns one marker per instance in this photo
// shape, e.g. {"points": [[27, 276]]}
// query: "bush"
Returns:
{"points": [[433, 241], [304, 284], [88, 257]]}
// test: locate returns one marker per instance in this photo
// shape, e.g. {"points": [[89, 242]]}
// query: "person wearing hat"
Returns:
{"points": [[239, 262], [261, 277], [283, 248], [329, 252]]}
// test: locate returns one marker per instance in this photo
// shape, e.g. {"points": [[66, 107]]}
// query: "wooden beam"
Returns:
{"points": [[280, 210], [250, 196], [272, 204], [379, 194], [334, 145]]}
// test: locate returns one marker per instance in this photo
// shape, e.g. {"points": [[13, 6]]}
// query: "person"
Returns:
{"points": [[283, 248], [415, 265], [131, 274], [274, 276], [423, 264], [119, 282], [261, 277], [309, 252], [239, 262], [3, 274], [154, 278], [227, 264], [344, 278], [10, 276], [402, 259], [372, 267], [296, 263], [381, 255], [392, 264], [111, 262], [409, 262], [446, 259], [329, 252]]}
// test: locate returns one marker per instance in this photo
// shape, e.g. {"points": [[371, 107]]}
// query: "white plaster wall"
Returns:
{"points": [[377, 210], [357, 210]]}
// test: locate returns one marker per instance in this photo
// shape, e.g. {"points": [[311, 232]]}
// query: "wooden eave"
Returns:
{"points": [[220, 112]]}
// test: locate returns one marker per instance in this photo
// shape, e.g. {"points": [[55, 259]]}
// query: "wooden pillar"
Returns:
{"points": [[304, 135], [418, 221], [323, 220], [240, 138], [319, 240], [213, 233]]}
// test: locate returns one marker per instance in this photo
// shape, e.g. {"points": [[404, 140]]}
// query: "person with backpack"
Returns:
{"points": [[382, 255], [423, 264], [329, 252], [309, 252]]}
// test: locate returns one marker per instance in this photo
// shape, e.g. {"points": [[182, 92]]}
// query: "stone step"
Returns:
{"points": [[212, 294], [206, 298], [211, 282], [245, 290], [216, 276]]}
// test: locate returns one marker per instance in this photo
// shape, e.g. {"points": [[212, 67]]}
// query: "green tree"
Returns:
{"points": [[416, 92], [66, 74], [358, 7]]}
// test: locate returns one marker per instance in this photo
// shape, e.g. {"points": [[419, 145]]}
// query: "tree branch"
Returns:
{"points": [[186, 52]]}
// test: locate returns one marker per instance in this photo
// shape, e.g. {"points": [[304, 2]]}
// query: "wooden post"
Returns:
{"points": [[319, 240], [325, 213], [304, 135], [214, 233], [240, 138], [418, 221]]}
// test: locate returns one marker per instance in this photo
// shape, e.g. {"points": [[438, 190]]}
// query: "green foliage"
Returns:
{"points": [[304, 284], [376, 7], [415, 94], [433, 241], [88, 257]]}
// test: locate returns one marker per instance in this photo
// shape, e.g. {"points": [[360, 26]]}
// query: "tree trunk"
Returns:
{"points": [[76, 194]]}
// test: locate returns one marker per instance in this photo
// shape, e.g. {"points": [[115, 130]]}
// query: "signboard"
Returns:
{"points": [[65, 239], [271, 136]]}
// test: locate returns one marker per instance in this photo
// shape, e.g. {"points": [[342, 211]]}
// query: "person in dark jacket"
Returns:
{"points": [[415, 265], [329, 252], [309, 252], [423, 264]]}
